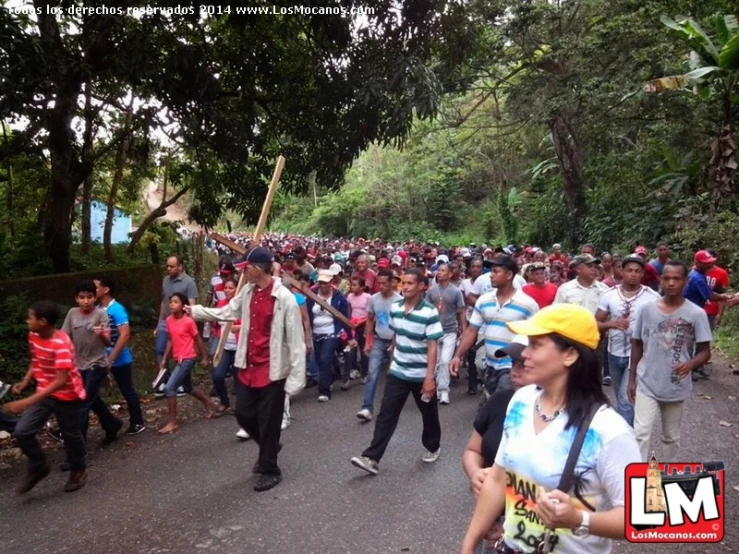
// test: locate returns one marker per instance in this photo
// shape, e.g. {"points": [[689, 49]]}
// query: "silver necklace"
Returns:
{"points": [[543, 416]]}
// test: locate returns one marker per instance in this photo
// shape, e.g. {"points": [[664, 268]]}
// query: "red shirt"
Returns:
{"points": [[261, 311], [544, 296], [48, 357], [182, 333], [650, 277], [717, 278], [370, 280], [216, 329]]}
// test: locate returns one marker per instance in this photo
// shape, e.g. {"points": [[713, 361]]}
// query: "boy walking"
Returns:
{"points": [[59, 391]]}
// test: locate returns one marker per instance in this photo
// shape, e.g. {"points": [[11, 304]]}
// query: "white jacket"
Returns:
{"points": [[286, 342]]}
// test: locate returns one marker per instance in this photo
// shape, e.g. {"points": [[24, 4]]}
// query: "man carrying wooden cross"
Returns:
{"points": [[270, 356]]}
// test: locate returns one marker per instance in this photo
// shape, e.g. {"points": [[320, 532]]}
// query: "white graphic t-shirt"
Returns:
{"points": [[532, 461]]}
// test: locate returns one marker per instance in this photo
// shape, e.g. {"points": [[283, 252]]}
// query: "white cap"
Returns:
{"points": [[335, 269], [442, 258], [397, 260]]}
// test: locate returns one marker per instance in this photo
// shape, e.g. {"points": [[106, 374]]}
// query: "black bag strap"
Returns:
{"points": [[565, 482]]}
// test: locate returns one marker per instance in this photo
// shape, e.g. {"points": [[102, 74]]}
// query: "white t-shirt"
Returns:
{"points": [[532, 460], [468, 287], [323, 321], [616, 305]]}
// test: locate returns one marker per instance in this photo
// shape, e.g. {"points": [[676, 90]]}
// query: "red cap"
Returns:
{"points": [[402, 254], [703, 257], [640, 250], [383, 263]]}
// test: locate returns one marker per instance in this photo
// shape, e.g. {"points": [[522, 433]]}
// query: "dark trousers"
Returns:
{"points": [[93, 380], [259, 413], [33, 420], [350, 358], [124, 379], [472, 379], [7, 421], [396, 393]]}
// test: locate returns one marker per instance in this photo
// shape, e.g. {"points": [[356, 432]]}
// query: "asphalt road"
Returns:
{"points": [[192, 491]]}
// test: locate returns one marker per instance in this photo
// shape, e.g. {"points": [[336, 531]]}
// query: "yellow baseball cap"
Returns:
{"points": [[568, 320]]}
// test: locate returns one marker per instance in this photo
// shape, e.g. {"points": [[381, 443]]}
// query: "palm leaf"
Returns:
{"points": [[729, 56]]}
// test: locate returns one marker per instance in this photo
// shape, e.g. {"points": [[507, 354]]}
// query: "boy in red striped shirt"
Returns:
{"points": [[59, 391]]}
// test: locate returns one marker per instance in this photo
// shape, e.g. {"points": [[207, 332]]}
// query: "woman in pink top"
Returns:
{"points": [[183, 338], [358, 300]]}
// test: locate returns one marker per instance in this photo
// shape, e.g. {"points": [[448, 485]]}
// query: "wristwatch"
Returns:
{"points": [[583, 530]]}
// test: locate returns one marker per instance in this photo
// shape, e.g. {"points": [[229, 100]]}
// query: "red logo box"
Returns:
{"points": [[674, 503]]}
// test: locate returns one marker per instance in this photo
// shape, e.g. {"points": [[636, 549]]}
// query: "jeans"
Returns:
{"points": [[447, 343], [93, 380], [619, 368], [180, 377], [379, 356], [224, 367], [325, 349], [33, 420], [7, 421], [124, 378], [350, 360], [396, 393], [259, 413]]}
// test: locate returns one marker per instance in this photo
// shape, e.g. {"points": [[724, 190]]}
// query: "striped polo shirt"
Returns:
{"points": [[413, 331], [491, 320]]}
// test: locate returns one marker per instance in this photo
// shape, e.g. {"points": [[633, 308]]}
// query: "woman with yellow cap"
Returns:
{"points": [[544, 422]]}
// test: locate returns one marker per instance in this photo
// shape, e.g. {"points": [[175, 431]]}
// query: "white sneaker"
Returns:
{"points": [[243, 435], [430, 457], [181, 391], [364, 414], [354, 374], [444, 397], [323, 398]]}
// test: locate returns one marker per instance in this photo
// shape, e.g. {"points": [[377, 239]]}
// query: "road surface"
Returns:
{"points": [[192, 492]]}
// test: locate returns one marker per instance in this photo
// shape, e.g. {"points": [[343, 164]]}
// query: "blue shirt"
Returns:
{"points": [[697, 290], [117, 316], [299, 298]]}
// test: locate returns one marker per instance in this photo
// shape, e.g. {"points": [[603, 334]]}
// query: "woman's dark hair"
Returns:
{"points": [[181, 296], [85, 286], [46, 309], [232, 280], [359, 280], [584, 384]]}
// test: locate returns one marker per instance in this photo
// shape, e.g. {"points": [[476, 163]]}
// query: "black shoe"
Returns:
{"points": [[112, 435], [64, 466], [33, 478], [77, 480], [266, 482], [310, 382], [472, 391], [135, 429]]}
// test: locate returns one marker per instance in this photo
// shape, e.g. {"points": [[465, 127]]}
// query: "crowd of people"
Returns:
{"points": [[540, 333]]}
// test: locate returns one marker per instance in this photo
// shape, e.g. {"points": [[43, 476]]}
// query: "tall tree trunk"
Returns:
{"points": [[9, 192], [88, 182], [569, 155], [120, 160], [722, 167]]}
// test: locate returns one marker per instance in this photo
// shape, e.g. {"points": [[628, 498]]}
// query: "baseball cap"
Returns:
{"points": [[568, 320], [254, 256], [641, 251], [397, 260], [325, 276], [383, 263], [514, 349], [503, 260], [584, 259], [442, 258], [537, 265], [703, 257], [335, 269], [633, 259]]}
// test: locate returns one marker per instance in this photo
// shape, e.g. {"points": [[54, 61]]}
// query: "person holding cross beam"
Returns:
{"points": [[270, 356]]}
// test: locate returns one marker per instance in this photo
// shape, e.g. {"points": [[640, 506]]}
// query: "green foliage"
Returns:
{"points": [[13, 338]]}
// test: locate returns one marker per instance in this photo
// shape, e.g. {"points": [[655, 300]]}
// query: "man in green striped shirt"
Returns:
{"points": [[417, 329]]}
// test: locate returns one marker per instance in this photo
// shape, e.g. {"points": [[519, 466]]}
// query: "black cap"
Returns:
{"points": [[633, 259], [503, 260], [512, 351], [255, 256]]}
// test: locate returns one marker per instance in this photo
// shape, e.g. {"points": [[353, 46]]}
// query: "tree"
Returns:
{"points": [[714, 73], [313, 88]]}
